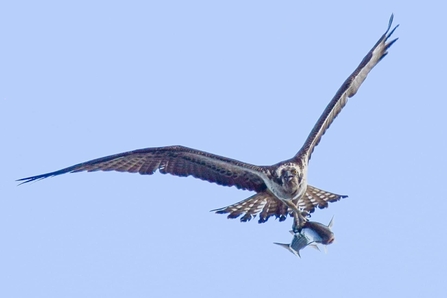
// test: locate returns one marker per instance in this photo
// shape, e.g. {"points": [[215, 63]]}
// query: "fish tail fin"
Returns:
{"points": [[286, 246], [331, 223], [315, 246]]}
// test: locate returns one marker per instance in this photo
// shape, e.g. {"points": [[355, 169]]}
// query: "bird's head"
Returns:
{"points": [[290, 176]]}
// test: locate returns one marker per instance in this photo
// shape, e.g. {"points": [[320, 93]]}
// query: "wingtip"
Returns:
{"points": [[389, 44], [28, 180], [390, 22], [36, 178], [20, 182], [71, 169], [388, 33], [391, 33]]}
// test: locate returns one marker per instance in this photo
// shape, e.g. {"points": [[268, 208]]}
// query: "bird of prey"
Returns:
{"points": [[281, 189]]}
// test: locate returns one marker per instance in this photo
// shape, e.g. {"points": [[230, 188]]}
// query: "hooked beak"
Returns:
{"points": [[288, 176]]}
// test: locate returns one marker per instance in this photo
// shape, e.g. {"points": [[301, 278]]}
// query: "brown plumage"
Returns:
{"points": [[281, 189]]}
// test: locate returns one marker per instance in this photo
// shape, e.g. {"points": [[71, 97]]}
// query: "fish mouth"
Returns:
{"points": [[330, 240]]}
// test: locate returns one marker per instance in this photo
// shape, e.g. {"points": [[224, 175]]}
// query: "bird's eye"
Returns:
{"points": [[294, 171]]}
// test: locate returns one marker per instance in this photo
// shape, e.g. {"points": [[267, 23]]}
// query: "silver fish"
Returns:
{"points": [[299, 241], [311, 234], [318, 232]]}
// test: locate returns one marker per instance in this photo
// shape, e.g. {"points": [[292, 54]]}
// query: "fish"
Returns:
{"points": [[299, 241], [311, 234], [318, 232]]}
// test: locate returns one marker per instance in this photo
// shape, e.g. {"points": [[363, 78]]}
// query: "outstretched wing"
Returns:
{"points": [[175, 160], [266, 205], [347, 90]]}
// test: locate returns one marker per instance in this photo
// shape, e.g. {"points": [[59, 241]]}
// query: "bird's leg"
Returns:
{"points": [[298, 219], [298, 222]]}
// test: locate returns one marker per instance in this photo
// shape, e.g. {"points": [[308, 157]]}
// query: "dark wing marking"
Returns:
{"points": [[347, 90], [266, 205], [175, 160]]}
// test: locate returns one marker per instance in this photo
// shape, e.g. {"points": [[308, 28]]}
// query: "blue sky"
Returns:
{"points": [[246, 80]]}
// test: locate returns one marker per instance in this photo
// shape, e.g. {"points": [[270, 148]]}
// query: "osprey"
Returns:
{"points": [[281, 189]]}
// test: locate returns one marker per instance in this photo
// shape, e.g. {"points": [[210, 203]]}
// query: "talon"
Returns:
{"points": [[299, 220]]}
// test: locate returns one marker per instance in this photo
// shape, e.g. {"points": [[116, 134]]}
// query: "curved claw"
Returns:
{"points": [[299, 217], [298, 222]]}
